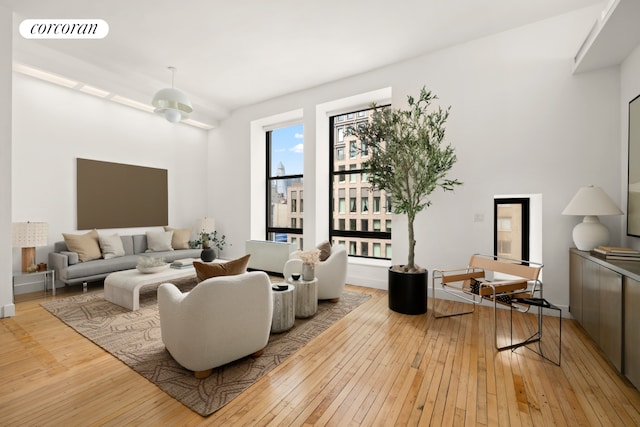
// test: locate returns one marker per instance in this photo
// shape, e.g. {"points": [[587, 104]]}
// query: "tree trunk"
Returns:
{"points": [[412, 244]]}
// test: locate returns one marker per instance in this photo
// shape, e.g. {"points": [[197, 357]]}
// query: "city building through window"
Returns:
{"points": [[511, 228], [285, 207], [352, 199]]}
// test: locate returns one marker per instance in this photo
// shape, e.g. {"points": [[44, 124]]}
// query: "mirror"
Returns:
{"points": [[633, 188]]}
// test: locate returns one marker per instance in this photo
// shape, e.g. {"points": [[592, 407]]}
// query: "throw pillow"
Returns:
{"points": [[158, 241], [206, 271], [111, 246], [325, 250], [180, 239], [85, 245]]}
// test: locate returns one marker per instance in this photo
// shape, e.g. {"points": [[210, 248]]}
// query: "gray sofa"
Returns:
{"points": [[71, 272]]}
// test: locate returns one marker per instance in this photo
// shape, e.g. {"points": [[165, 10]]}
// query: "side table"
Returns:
{"points": [[49, 277], [306, 297], [283, 310]]}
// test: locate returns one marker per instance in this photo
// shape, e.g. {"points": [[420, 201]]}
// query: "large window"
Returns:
{"points": [[360, 217], [285, 201], [511, 228]]}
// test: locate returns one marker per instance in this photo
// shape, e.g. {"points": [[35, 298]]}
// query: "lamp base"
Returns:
{"points": [[28, 260], [590, 233]]}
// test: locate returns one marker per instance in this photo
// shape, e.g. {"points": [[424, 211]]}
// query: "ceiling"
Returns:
{"points": [[612, 39], [235, 53]]}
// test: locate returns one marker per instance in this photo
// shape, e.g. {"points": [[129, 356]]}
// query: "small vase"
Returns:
{"points": [[308, 272], [207, 255]]}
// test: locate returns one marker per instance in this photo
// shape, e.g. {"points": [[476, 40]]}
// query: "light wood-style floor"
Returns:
{"points": [[373, 367]]}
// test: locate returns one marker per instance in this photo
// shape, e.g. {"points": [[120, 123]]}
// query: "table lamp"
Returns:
{"points": [[28, 235], [591, 201], [208, 225]]}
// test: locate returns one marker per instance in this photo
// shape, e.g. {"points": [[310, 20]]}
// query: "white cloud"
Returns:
{"points": [[299, 148], [298, 136]]}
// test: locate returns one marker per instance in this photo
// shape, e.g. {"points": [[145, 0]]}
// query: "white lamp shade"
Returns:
{"points": [[172, 103], [208, 225], [591, 201], [29, 234]]}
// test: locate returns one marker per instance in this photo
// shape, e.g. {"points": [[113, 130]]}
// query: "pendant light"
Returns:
{"points": [[172, 103]]}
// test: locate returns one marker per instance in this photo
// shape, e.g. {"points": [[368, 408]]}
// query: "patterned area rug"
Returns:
{"points": [[134, 338]]}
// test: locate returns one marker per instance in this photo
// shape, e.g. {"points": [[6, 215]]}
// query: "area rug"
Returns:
{"points": [[134, 338]]}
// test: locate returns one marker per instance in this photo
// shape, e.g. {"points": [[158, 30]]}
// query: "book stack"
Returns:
{"points": [[613, 253], [182, 263]]}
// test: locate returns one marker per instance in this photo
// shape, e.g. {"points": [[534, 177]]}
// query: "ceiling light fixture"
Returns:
{"points": [[132, 103], [91, 90], [198, 124], [44, 75], [172, 103]]}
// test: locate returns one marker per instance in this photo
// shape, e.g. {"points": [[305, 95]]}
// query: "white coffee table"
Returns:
{"points": [[123, 287]]}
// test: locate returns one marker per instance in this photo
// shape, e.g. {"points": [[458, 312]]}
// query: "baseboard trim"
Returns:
{"points": [[8, 310]]}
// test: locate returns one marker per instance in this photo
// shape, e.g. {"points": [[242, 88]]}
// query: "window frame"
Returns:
{"points": [[525, 204], [340, 174], [297, 232]]}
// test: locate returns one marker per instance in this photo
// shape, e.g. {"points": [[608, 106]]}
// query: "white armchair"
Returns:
{"points": [[331, 273], [221, 320], [292, 266]]}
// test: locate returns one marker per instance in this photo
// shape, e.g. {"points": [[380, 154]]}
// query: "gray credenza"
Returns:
{"points": [[604, 297]]}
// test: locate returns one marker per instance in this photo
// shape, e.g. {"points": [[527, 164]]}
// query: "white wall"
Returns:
{"points": [[52, 126], [629, 89], [520, 122], [6, 36]]}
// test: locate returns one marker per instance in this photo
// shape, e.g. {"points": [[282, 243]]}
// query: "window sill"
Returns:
{"points": [[370, 262]]}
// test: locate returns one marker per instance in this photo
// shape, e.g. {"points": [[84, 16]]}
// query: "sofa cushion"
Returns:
{"points": [[158, 241], [60, 246], [85, 245], [325, 250], [139, 243], [127, 244], [206, 271], [170, 256], [180, 238], [111, 246], [101, 267]]}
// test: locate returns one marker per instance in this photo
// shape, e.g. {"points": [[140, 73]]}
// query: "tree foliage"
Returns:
{"points": [[408, 157]]}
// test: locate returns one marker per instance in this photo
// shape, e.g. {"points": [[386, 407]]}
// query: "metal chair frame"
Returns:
{"points": [[518, 292]]}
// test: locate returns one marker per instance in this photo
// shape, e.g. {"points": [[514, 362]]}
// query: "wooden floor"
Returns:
{"points": [[373, 367]]}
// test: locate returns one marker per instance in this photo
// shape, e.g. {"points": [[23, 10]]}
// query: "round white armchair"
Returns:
{"points": [[331, 273], [221, 320]]}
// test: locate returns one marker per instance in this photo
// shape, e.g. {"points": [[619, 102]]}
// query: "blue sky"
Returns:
{"points": [[287, 147]]}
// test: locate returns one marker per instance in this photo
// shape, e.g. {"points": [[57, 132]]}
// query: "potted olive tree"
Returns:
{"points": [[408, 160]]}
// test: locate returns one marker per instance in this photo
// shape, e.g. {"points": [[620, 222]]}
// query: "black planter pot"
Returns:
{"points": [[408, 292], [207, 255]]}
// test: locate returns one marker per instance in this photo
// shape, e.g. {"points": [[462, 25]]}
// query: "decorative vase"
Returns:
{"points": [[207, 255], [308, 272]]}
